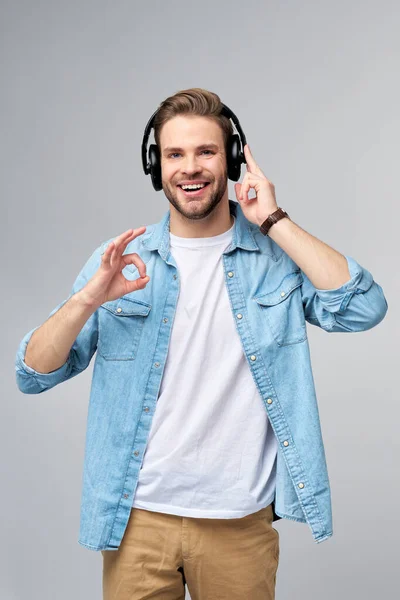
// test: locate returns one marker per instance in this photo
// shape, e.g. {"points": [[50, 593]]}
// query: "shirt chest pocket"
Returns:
{"points": [[283, 310], [121, 324]]}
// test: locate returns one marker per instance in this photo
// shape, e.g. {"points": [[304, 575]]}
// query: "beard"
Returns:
{"points": [[197, 208]]}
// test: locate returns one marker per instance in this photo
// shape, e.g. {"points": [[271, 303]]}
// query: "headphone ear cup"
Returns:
{"points": [[155, 167], [234, 157]]}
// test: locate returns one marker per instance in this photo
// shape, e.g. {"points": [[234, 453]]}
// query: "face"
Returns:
{"points": [[192, 149]]}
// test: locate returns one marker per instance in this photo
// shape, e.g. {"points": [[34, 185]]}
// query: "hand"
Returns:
{"points": [[257, 209], [108, 283]]}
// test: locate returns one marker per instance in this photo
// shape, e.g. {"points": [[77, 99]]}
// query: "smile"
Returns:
{"points": [[193, 193]]}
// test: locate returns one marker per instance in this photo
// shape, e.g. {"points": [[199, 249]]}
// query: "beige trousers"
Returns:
{"points": [[224, 559]]}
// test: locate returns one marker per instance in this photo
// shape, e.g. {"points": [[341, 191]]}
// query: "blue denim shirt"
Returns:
{"points": [[271, 299]]}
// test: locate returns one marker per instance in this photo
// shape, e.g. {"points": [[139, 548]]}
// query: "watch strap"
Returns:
{"points": [[273, 218]]}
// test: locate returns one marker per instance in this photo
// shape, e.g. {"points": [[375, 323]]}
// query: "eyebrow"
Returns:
{"points": [[201, 147]]}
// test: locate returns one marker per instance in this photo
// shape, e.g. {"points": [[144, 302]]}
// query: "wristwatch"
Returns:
{"points": [[273, 218]]}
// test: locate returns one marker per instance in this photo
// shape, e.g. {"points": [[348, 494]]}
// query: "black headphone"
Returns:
{"points": [[235, 154]]}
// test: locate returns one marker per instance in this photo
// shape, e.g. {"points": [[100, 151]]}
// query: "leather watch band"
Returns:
{"points": [[273, 218]]}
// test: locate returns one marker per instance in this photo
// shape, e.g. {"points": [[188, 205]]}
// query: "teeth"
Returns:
{"points": [[193, 187]]}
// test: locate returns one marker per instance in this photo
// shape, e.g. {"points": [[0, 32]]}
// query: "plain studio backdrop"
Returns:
{"points": [[316, 88]]}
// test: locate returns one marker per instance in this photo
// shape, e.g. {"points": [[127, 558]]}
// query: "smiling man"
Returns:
{"points": [[203, 424]]}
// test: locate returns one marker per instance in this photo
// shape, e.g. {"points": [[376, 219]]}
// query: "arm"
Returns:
{"points": [[49, 346], [63, 346], [338, 293], [77, 317], [324, 267]]}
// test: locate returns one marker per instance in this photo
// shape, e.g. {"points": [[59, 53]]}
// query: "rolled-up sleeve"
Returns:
{"points": [[357, 305], [30, 381]]}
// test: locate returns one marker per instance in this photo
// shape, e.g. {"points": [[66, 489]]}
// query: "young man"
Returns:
{"points": [[203, 422]]}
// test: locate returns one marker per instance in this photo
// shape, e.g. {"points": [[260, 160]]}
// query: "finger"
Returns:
{"points": [[250, 162], [124, 241], [250, 180], [237, 187], [245, 178], [248, 186], [114, 244], [244, 191], [135, 259], [254, 168], [127, 237], [245, 187], [137, 284], [107, 253], [130, 234], [114, 258], [123, 236], [111, 252]]}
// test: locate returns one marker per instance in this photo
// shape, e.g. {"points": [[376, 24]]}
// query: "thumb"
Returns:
{"points": [[139, 283]]}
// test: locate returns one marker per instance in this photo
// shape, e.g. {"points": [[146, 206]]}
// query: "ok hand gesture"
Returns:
{"points": [[108, 283]]}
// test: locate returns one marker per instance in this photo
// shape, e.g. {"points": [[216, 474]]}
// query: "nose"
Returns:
{"points": [[191, 165]]}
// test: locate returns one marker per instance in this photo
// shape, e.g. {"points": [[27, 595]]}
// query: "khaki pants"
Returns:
{"points": [[224, 559]]}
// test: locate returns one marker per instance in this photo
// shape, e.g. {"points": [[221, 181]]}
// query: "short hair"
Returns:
{"points": [[193, 101]]}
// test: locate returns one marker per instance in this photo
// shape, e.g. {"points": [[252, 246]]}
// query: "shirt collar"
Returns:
{"points": [[243, 233]]}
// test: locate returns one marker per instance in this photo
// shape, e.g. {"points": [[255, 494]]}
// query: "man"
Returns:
{"points": [[203, 422]]}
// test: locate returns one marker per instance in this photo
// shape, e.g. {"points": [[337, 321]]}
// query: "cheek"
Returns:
{"points": [[222, 164], [167, 174]]}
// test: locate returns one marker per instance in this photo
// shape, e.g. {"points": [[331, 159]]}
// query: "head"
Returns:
{"points": [[192, 137]]}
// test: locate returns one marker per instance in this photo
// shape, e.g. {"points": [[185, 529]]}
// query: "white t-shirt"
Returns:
{"points": [[211, 451]]}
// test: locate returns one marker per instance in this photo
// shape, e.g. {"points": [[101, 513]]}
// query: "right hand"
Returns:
{"points": [[108, 283]]}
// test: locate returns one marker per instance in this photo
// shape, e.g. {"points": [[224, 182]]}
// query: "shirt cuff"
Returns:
{"points": [[337, 299], [24, 372]]}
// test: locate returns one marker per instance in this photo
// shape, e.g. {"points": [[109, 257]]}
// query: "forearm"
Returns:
{"points": [[325, 267], [50, 344]]}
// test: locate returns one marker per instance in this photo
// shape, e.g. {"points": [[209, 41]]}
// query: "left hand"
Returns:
{"points": [[257, 209]]}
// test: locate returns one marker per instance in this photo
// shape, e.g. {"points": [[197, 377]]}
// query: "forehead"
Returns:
{"points": [[190, 131]]}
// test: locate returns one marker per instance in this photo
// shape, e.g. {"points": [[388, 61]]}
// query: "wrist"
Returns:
{"points": [[273, 218], [86, 301], [266, 216]]}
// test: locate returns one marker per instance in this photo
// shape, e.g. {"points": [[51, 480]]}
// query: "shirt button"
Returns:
{"points": [[136, 453], [165, 320], [119, 309], [282, 293], [156, 364], [286, 443], [239, 316], [230, 274], [301, 485], [252, 357], [175, 276], [269, 401], [146, 409], [126, 495]]}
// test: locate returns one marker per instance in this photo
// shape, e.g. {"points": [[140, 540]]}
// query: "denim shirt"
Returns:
{"points": [[271, 300]]}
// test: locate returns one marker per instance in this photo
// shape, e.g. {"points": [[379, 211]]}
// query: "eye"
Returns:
{"points": [[172, 154]]}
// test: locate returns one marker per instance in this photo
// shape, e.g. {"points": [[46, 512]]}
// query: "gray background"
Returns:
{"points": [[316, 88]]}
